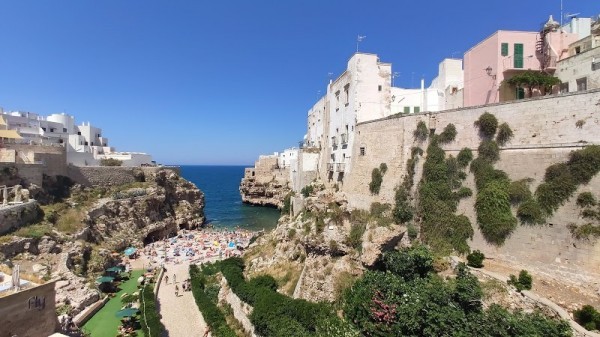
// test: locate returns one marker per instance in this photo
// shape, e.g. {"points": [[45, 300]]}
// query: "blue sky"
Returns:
{"points": [[220, 82]]}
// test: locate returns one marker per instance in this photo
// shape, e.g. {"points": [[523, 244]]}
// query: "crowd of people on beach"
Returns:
{"points": [[197, 246]]}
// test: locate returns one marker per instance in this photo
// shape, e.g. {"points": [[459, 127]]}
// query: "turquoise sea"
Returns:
{"points": [[224, 207]]}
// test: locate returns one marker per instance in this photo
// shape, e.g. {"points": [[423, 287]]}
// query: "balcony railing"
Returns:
{"points": [[341, 167], [344, 139], [330, 167]]}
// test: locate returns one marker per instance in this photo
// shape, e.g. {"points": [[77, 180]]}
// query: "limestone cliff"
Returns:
{"points": [[266, 184]]}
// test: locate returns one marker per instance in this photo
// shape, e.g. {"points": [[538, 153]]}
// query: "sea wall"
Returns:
{"points": [[113, 175], [546, 130]]}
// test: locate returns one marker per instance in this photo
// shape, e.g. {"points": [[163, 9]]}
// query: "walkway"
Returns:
{"points": [[180, 315]]}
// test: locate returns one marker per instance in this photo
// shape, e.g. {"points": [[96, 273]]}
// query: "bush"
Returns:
{"points": [[489, 151], [524, 281], [487, 124], [448, 135], [151, 324], [475, 259], [584, 232], [412, 231], [409, 263], [530, 212], [287, 203], [110, 162], [307, 190], [354, 239], [504, 135], [586, 199], [421, 132], [588, 317], [464, 192], [519, 192], [584, 164], [493, 212], [464, 157], [403, 211], [383, 168], [376, 180]]}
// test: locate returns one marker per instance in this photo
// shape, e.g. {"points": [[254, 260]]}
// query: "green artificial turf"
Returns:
{"points": [[104, 323]]}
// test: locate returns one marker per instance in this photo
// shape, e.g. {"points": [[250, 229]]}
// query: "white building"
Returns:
{"points": [[286, 158], [84, 143], [363, 93]]}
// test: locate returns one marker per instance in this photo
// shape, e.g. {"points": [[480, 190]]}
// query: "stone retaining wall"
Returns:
{"points": [[15, 216], [241, 310]]}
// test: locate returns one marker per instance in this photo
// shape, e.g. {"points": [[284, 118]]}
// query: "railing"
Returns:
{"points": [[341, 167], [330, 167]]}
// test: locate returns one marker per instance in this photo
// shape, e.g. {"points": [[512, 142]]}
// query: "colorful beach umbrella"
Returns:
{"points": [[130, 251], [127, 312], [105, 279]]}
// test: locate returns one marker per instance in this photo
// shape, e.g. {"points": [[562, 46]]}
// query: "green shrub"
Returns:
{"points": [[307, 190], [291, 233], [504, 135], [588, 317], [464, 192], [487, 124], [464, 157], [475, 259], [524, 282], [403, 211], [590, 214], [489, 151], [421, 132], [376, 180], [110, 162], [412, 231], [448, 135], [151, 324], [354, 238], [584, 164], [287, 203], [586, 199], [409, 263], [494, 215], [383, 168], [584, 232], [519, 191], [530, 212]]}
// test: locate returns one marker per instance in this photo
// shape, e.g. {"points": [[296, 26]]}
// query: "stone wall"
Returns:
{"points": [[545, 132], [241, 310], [112, 175], [30, 312], [15, 216]]}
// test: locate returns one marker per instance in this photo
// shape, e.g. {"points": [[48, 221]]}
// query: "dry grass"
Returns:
{"points": [[342, 281], [71, 221], [285, 273]]}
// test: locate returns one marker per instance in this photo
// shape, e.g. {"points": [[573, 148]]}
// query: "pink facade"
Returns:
{"points": [[504, 54]]}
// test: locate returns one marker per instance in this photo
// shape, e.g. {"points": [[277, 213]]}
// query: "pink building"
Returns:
{"points": [[507, 53]]}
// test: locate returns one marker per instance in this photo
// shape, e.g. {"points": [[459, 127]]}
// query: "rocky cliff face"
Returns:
{"points": [[127, 215], [265, 184]]}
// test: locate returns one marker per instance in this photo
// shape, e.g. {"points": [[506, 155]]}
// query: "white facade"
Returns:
{"points": [[84, 143], [581, 70], [287, 157]]}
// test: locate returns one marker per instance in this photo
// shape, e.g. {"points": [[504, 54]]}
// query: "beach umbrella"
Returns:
{"points": [[104, 279], [127, 312], [130, 251]]}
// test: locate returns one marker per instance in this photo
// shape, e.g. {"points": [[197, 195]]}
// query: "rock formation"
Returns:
{"points": [[266, 184]]}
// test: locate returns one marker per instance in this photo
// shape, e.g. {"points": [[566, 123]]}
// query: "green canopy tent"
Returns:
{"points": [[105, 279], [127, 312]]}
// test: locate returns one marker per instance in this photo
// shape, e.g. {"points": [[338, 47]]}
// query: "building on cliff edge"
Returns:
{"points": [[85, 144]]}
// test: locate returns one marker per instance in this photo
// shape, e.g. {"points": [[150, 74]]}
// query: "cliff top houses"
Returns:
{"points": [[365, 90], [85, 144]]}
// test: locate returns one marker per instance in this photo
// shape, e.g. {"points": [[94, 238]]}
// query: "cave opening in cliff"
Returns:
{"points": [[155, 236]]}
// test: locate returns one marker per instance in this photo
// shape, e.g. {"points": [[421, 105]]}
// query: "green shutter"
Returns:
{"points": [[518, 55], [504, 49], [406, 109], [417, 109], [520, 93]]}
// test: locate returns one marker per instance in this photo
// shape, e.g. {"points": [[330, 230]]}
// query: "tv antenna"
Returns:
{"points": [[359, 39], [394, 75]]}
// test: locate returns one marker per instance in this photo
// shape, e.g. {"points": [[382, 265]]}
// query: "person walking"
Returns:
{"points": [[174, 278], [166, 279], [176, 291]]}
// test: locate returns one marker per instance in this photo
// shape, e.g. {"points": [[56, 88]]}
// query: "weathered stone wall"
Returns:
{"points": [[15, 216], [112, 175], [241, 310], [545, 132], [20, 316]]}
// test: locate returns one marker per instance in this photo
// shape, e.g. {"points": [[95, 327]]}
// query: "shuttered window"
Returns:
{"points": [[518, 55], [504, 49], [406, 109], [417, 109]]}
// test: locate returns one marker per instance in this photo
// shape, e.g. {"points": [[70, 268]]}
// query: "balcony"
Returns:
{"points": [[341, 167], [330, 167], [530, 62]]}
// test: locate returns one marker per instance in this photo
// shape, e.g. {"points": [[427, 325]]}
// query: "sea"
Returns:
{"points": [[223, 204]]}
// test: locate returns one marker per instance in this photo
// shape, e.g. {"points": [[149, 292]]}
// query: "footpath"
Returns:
{"points": [[180, 314]]}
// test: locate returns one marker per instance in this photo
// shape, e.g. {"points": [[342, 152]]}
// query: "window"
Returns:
{"points": [[582, 84], [79, 133], [92, 144], [346, 94], [337, 100], [518, 57], [85, 143], [504, 49], [417, 109], [52, 129], [595, 65], [64, 129], [99, 135], [362, 150], [577, 50], [43, 128], [406, 109], [379, 88]]}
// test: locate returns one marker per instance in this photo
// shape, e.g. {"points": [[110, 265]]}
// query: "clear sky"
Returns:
{"points": [[222, 81]]}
